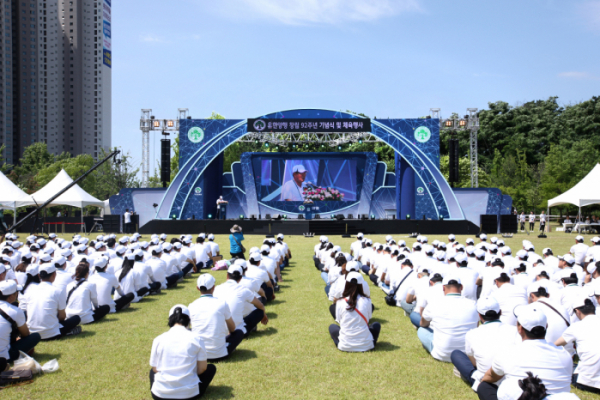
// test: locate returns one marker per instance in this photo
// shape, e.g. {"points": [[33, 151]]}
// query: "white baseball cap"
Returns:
{"points": [[485, 304], [505, 250], [483, 236], [66, 253], [212, 237], [233, 268], [530, 316], [32, 269], [353, 266], [61, 260], [48, 268], [298, 168], [168, 247], [178, 245], [99, 245], [255, 257], [595, 239], [591, 268], [355, 275], [451, 236], [460, 257], [579, 238], [359, 235], [184, 310], [206, 280], [9, 287], [45, 258], [569, 259], [469, 241], [264, 247], [449, 278]]}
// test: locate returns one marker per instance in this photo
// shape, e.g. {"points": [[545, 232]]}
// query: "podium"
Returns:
{"points": [[222, 212], [308, 210]]}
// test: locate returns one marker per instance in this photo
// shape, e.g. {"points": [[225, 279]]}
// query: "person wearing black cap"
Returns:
{"points": [[178, 359], [585, 335], [534, 354], [13, 326], [446, 321]]}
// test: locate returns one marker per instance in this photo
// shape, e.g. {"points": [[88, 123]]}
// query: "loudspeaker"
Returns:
{"points": [[509, 224], [300, 216], [339, 217], [317, 216], [350, 216], [453, 160], [268, 216], [165, 160], [364, 217], [253, 217], [488, 223]]}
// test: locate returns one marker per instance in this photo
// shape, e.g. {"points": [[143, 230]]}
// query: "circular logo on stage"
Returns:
{"points": [[195, 134], [422, 134], [301, 208], [420, 190], [260, 125], [198, 190]]}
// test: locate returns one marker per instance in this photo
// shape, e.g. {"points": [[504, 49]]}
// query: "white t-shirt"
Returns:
{"points": [[585, 334], [5, 328], [468, 279], [579, 251], [484, 342], [508, 297], [258, 274], [428, 295], [127, 217], [142, 272], [104, 285], [127, 285], [208, 317], [356, 247], [201, 252], [269, 265], [175, 354], [24, 297], [336, 291], [551, 364], [556, 324], [159, 270], [235, 296], [214, 248], [171, 262], [82, 301], [42, 310], [451, 318], [354, 330], [290, 191], [62, 280]]}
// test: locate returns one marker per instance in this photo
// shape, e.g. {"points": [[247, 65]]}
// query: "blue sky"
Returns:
{"points": [[384, 58]]}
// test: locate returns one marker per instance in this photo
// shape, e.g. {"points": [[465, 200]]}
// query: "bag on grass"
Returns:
{"points": [[13, 377], [26, 363], [220, 265], [390, 299]]}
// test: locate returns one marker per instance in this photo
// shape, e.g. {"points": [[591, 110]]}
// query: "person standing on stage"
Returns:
{"points": [[543, 221], [127, 221], [531, 221], [522, 220], [292, 189], [219, 202]]}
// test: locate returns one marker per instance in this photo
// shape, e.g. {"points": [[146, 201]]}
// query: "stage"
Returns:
{"points": [[318, 227]]}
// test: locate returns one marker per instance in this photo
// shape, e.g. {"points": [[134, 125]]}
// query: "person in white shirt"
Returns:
{"points": [[522, 219], [483, 343], [105, 284], [159, 269], [127, 225], [594, 251], [145, 283], [203, 253], [235, 296], [12, 317], [292, 190], [353, 312], [186, 256], [579, 250], [509, 297], [556, 315], [356, 247], [82, 298], [585, 335], [126, 277], [214, 247], [212, 321], [543, 221], [178, 359], [468, 277], [534, 354], [446, 321], [46, 309], [172, 265], [255, 272]]}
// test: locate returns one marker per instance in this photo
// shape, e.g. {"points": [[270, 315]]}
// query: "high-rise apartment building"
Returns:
{"points": [[55, 76]]}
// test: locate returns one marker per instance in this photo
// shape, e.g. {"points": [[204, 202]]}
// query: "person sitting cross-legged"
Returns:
{"points": [[446, 321], [353, 312]]}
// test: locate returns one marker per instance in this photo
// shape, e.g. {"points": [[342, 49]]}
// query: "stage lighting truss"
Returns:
{"points": [[470, 123], [301, 139]]}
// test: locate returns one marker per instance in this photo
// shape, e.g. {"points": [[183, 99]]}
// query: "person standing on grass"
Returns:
{"points": [[235, 242], [178, 359], [353, 312], [522, 219], [446, 321]]}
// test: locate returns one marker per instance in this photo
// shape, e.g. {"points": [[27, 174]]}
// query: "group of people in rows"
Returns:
{"points": [[211, 328], [50, 287], [511, 324]]}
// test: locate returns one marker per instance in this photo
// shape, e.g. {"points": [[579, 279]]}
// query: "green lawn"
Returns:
{"points": [[292, 357]]}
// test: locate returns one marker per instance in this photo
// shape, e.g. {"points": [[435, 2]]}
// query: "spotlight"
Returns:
{"points": [[306, 145], [441, 217], [408, 216], [372, 217], [267, 144], [209, 216], [322, 145], [170, 123], [462, 123], [241, 216], [340, 147], [294, 145], [449, 123], [174, 217], [360, 141], [255, 141], [332, 216], [157, 124]]}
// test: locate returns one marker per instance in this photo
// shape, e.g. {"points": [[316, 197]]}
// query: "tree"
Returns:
{"points": [[113, 176], [35, 158], [75, 167], [464, 172]]}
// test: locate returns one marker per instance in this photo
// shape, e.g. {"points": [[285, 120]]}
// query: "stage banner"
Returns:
{"points": [[301, 125]]}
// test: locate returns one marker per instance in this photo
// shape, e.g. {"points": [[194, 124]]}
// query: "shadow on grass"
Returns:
{"points": [[272, 315], [385, 346], [242, 355], [265, 332], [380, 320], [128, 310], [276, 301], [148, 299], [219, 392], [284, 286]]}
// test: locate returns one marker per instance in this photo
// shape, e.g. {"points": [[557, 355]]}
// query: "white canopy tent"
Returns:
{"points": [[11, 195], [74, 197], [585, 193]]}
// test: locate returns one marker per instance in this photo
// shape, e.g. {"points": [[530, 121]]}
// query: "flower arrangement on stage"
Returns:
{"points": [[316, 193]]}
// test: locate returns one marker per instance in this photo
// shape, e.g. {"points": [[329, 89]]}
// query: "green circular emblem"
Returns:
{"points": [[195, 134], [301, 208], [198, 190], [422, 134], [420, 190]]}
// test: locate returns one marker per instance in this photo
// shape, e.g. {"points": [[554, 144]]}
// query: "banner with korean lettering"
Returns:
{"points": [[309, 125], [106, 34]]}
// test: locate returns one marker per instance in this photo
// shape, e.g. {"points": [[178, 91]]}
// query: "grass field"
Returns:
{"points": [[292, 357]]}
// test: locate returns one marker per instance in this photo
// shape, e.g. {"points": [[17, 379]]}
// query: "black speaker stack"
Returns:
{"points": [[509, 224], [112, 223], [165, 161], [488, 223], [453, 160]]}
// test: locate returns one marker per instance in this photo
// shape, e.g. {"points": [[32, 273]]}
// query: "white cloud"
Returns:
{"points": [[300, 12], [589, 11], [150, 38], [578, 75]]}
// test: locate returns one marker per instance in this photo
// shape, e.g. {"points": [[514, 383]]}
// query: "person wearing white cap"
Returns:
{"points": [[172, 265], [468, 277], [584, 334], [214, 247], [336, 291], [508, 296], [186, 264], [126, 277], [12, 317], [534, 354], [82, 298], [400, 279], [179, 361], [567, 263], [445, 321], [284, 250], [353, 312], [483, 343], [63, 278], [212, 320], [203, 253], [105, 284], [145, 283], [557, 317], [570, 292], [46, 308], [483, 244], [159, 269], [292, 190], [579, 250], [235, 296], [254, 271], [270, 265], [594, 251], [29, 286], [253, 283]]}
